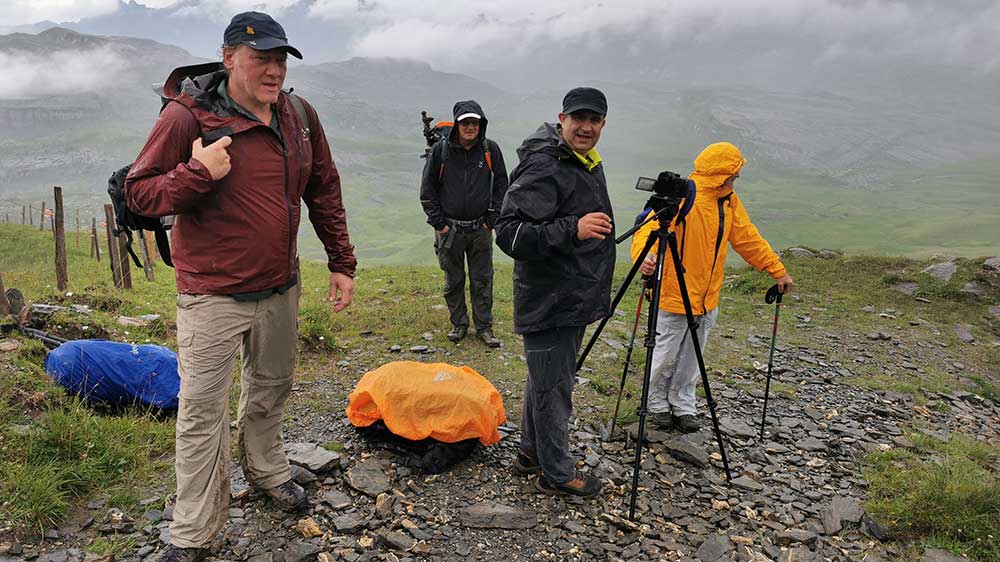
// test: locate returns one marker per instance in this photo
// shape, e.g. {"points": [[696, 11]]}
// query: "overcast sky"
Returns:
{"points": [[694, 39]]}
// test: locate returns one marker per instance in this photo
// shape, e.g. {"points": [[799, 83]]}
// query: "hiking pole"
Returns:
{"points": [[628, 360], [773, 295]]}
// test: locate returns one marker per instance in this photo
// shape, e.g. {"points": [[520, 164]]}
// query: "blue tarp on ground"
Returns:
{"points": [[116, 373]]}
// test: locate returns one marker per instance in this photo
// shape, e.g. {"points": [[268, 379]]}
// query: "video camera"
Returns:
{"points": [[668, 190], [433, 134]]}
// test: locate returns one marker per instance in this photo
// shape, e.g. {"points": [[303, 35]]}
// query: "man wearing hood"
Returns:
{"points": [[556, 222], [716, 220], [233, 156], [462, 187]]}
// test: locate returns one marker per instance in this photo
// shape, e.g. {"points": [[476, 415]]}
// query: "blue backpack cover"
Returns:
{"points": [[116, 373]]}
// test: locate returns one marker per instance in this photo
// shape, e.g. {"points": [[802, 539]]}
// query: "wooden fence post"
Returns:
{"points": [[4, 303], [147, 263], [78, 228], [41, 218], [109, 219], [95, 244], [31, 216], [59, 230], [124, 265]]}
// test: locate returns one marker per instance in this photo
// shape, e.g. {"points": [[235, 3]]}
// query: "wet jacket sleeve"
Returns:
{"points": [[748, 242], [528, 228], [641, 235], [326, 205], [430, 188], [165, 180], [500, 185]]}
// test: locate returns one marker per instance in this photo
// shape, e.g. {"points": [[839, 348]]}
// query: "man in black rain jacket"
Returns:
{"points": [[556, 223], [463, 185]]}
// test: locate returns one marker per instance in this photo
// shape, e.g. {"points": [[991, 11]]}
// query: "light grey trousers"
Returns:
{"points": [[675, 373]]}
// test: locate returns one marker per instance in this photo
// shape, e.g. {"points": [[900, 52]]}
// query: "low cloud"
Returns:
{"points": [[460, 33], [27, 75]]}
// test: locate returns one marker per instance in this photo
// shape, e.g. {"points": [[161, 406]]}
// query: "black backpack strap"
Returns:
{"points": [[300, 109], [444, 156], [163, 245]]}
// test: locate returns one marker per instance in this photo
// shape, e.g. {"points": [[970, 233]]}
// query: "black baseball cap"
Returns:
{"points": [[258, 31], [589, 99]]}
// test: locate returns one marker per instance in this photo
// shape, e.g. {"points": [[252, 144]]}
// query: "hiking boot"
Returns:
{"points": [[662, 420], [526, 464], [489, 339], [582, 485], [177, 554], [686, 423], [288, 496], [458, 333]]}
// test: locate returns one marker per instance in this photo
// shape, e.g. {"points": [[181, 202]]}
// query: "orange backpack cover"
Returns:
{"points": [[421, 400]]}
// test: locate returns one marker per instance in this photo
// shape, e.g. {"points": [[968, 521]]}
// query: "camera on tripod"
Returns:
{"points": [[668, 189]]}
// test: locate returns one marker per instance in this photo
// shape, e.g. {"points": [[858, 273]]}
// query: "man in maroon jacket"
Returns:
{"points": [[232, 157]]}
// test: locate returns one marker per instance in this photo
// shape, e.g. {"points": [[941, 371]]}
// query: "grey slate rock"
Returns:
{"points": [[311, 456], [349, 523], [297, 551], [841, 509], [747, 483], [938, 555], [397, 540], [337, 499], [497, 516], [942, 271], [682, 448], [811, 444], [964, 334], [369, 478], [302, 475], [736, 428], [792, 536], [714, 548]]}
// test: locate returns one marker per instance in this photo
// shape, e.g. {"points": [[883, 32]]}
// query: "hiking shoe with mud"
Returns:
{"points": [[288, 496], [662, 421], [489, 339], [525, 464], [177, 554], [582, 485], [458, 333], [687, 423]]}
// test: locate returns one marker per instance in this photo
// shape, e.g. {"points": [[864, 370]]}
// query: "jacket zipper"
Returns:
{"points": [[718, 244]]}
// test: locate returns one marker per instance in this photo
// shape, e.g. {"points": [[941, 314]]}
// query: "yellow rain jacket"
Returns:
{"points": [[716, 218], [421, 400]]}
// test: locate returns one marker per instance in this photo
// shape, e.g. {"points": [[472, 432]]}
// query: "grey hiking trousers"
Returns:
{"points": [[453, 249], [548, 399]]}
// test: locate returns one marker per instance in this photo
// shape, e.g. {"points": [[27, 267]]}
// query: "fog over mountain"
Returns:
{"points": [[829, 96]]}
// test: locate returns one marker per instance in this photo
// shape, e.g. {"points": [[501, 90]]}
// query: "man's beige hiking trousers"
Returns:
{"points": [[211, 331]]}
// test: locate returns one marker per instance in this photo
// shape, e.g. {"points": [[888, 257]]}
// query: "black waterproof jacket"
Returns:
{"points": [[464, 189], [559, 281]]}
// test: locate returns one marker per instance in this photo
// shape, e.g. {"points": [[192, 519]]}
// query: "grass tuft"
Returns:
{"points": [[943, 494]]}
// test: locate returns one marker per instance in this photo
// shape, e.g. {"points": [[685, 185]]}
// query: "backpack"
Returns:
{"points": [[127, 221], [429, 455]]}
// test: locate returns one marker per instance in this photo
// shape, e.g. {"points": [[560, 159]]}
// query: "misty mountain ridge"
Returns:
{"points": [[370, 111]]}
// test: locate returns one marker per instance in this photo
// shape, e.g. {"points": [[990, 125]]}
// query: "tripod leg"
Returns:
{"points": [[693, 328], [615, 301], [650, 343], [628, 361]]}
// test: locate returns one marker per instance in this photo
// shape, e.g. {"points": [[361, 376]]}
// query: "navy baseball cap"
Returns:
{"points": [[258, 31], [579, 99]]}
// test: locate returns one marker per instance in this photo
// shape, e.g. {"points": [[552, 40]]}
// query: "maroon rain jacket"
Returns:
{"points": [[238, 234]]}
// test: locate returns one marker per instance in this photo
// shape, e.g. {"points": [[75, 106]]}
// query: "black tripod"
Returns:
{"points": [[665, 238]]}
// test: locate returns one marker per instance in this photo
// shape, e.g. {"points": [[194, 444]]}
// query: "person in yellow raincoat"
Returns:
{"points": [[716, 220]]}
